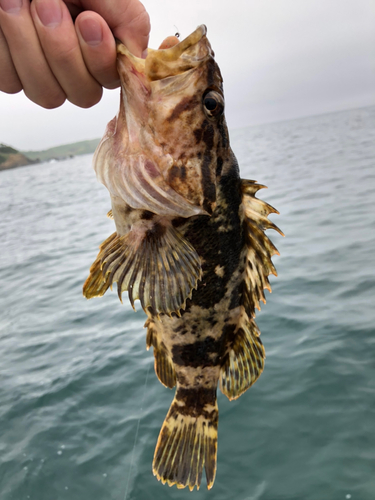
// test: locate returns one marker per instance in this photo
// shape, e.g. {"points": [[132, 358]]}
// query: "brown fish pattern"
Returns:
{"points": [[190, 244]]}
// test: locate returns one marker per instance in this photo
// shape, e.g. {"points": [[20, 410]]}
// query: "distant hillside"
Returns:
{"points": [[64, 151], [11, 158]]}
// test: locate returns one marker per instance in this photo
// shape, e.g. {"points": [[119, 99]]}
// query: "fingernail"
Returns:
{"points": [[91, 31], [11, 6], [49, 13]]}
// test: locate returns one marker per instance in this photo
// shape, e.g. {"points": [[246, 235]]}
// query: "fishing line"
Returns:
{"points": [[136, 434]]}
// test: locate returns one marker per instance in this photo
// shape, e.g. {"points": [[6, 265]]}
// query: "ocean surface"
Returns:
{"points": [[80, 405]]}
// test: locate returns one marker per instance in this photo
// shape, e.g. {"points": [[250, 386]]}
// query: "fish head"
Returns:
{"points": [[171, 132]]}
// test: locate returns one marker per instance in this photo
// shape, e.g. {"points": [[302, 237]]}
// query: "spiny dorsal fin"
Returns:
{"points": [[244, 363], [163, 364], [259, 247]]}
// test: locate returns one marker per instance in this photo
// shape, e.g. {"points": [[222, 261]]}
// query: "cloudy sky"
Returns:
{"points": [[280, 59]]}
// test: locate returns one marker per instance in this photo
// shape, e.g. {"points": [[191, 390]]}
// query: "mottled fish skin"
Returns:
{"points": [[198, 343], [201, 320]]}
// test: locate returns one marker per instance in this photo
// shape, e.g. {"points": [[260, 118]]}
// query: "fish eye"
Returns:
{"points": [[210, 103], [213, 104]]}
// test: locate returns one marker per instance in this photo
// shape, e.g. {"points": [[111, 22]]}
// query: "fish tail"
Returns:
{"points": [[188, 440]]}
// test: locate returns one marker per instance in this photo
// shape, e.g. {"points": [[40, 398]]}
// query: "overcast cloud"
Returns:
{"points": [[280, 59]]}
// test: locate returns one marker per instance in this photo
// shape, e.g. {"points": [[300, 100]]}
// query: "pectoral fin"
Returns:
{"points": [[95, 285], [157, 266]]}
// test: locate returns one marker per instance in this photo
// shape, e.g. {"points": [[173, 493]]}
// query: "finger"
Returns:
{"points": [[62, 50], [98, 48], [128, 20], [169, 42], [9, 81], [134, 29], [37, 80]]}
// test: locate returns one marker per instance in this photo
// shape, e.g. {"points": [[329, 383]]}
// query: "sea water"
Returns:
{"points": [[80, 405]]}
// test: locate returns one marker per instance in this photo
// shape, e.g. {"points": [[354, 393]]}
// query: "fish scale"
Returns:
{"points": [[190, 244]]}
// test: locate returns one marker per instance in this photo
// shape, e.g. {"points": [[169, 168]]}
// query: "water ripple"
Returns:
{"points": [[74, 372]]}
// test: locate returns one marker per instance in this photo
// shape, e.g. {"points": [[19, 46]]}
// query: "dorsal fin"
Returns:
{"points": [[244, 362], [259, 247]]}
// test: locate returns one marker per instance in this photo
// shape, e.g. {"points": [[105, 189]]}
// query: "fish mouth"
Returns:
{"points": [[163, 63]]}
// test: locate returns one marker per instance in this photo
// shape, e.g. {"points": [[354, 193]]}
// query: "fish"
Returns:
{"points": [[189, 243]]}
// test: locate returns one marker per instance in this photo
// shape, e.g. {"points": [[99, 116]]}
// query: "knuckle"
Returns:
{"points": [[114, 84], [9, 81], [48, 100], [141, 20], [52, 104], [10, 87], [88, 100], [65, 54]]}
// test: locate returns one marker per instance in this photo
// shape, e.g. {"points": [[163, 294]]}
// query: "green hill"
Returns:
{"points": [[11, 158], [64, 151]]}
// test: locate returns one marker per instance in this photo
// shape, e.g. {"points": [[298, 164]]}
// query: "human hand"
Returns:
{"points": [[52, 58]]}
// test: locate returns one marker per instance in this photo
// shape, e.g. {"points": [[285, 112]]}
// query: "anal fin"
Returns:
{"points": [[244, 362], [163, 364]]}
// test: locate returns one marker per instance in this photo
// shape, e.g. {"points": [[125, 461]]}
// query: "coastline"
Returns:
{"points": [[13, 158]]}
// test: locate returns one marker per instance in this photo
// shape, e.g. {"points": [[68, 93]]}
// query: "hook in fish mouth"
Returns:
{"points": [[172, 61]]}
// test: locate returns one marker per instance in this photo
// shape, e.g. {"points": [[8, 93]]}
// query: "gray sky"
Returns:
{"points": [[280, 59]]}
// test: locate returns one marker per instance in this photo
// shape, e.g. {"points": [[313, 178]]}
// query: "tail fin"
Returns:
{"points": [[187, 443]]}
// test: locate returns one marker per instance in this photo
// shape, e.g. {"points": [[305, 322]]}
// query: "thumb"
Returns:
{"points": [[128, 20]]}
